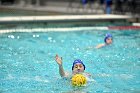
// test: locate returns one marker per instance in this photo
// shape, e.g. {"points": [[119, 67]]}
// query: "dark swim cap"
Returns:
{"points": [[108, 35], [78, 61]]}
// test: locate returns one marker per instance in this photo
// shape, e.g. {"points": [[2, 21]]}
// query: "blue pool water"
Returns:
{"points": [[27, 63]]}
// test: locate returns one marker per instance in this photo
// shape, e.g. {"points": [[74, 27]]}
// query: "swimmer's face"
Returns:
{"points": [[109, 40], [78, 68]]}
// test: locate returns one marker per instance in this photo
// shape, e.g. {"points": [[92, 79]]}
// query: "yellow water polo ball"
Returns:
{"points": [[78, 80]]}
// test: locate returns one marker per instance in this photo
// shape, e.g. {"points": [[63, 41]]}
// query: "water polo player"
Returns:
{"points": [[108, 40], [78, 67]]}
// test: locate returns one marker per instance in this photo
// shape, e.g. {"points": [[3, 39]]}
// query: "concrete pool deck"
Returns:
{"points": [[62, 18], [58, 18]]}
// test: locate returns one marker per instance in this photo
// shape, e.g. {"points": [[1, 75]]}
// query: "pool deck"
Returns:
{"points": [[62, 18], [58, 18]]}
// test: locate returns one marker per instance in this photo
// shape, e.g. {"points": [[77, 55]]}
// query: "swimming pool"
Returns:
{"points": [[27, 62]]}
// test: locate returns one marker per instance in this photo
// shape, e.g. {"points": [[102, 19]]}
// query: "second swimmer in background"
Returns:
{"points": [[108, 40]]}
